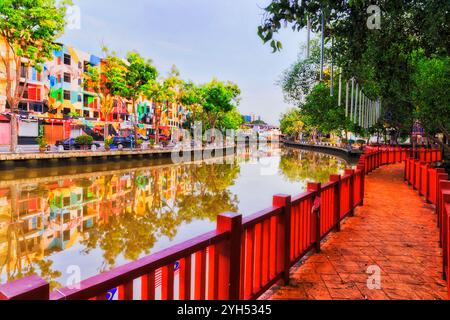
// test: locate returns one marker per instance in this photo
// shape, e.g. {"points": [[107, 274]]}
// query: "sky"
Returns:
{"points": [[203, 38]]}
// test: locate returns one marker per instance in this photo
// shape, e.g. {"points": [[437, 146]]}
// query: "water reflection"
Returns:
{"points": [[301, 165], [103, 219]]}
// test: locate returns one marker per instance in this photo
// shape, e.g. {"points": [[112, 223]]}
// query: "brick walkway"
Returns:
{"points": [[395, 230]]}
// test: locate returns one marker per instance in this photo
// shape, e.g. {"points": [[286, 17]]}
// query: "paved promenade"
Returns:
{"points": [[395, 230]]}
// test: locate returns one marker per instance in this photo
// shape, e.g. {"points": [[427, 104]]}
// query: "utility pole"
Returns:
{"points": [[322, 54], [340, 87], [347, 99], [308, 39], [332, 70]]}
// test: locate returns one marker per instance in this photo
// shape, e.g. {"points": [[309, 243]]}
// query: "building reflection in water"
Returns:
{"points": [[123, 213]]}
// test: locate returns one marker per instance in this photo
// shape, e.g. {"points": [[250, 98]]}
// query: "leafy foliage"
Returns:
{"points": [[291, 123], [30, 29], [431, 82], [379, 59], [84, 140]]}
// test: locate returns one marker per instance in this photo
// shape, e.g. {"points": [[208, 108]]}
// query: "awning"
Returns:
{"points": [[3, 118]]}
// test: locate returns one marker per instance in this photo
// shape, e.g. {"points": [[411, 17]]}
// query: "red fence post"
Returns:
{"points": [[337, 201], [440, 177], [285, 202], [363, 183], [316, 187], [445, 201], [351, 190], [232, 222], [29, 288]]}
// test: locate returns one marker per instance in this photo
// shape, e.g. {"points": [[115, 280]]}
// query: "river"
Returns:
{"points": [[98, 216]]}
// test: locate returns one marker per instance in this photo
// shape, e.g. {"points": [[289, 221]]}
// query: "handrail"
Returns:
{"points": [[105, 281], [244, 257]]}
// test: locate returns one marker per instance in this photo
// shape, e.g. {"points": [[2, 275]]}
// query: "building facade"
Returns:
{"points": [[58, 105]]}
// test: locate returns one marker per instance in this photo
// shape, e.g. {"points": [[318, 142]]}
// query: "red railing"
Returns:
{"points": [[241, 259], [433, 184]]}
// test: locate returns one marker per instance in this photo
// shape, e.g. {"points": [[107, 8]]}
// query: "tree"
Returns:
{"points": [[291, 123], [430, 81], [139, 73], [378, 59], [298, 80], [108, 82], [192, 99], [219, 98], [321, 111], [230, 120], [30, 29], [161, 93]]}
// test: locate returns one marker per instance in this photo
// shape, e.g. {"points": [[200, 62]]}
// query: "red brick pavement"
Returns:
{"points": [[395, 230]]}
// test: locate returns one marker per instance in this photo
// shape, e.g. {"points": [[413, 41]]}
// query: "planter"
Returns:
{"points": [[42, 149]]}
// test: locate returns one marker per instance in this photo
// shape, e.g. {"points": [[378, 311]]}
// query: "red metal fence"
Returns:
{"points": [[433, 184], [241, 259]]}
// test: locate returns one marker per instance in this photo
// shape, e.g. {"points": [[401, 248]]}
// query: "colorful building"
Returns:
{"points": [[59, 105]]}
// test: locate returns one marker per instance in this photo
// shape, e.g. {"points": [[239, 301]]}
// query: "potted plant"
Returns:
{"points": [[139, 143], [42, 143], [108, 142], [84, 140]]}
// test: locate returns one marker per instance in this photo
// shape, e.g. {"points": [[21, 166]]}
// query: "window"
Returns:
{"points": [[86, 113], [66, 200], [67, 77], [23, 71], [115, 116], [39, 76], [96, 114], [66, 112], [80, 98], [25, 92], [80, 82], [66, 235], [37, 107], [86, 66], [66, 95], [80, 65], [23, 106], [67, 59], [86, 101], [59, 96]]}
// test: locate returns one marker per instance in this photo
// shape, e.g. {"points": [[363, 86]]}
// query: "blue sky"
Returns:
{"points": [[203, 38]]}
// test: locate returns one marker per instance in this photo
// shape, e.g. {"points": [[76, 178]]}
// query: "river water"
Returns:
{"points": [[96, 217]]}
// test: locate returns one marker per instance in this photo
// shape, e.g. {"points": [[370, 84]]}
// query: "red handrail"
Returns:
{"points": [[244, 257]]}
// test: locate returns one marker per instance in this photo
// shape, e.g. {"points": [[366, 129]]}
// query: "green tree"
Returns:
{"points": [[230, 120], [379, 59], [162, 93], [30, 29], [431, 82], [139, 73], [321, 111], [291, 123], [219, 98], [192, 99], [108, 82]]}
